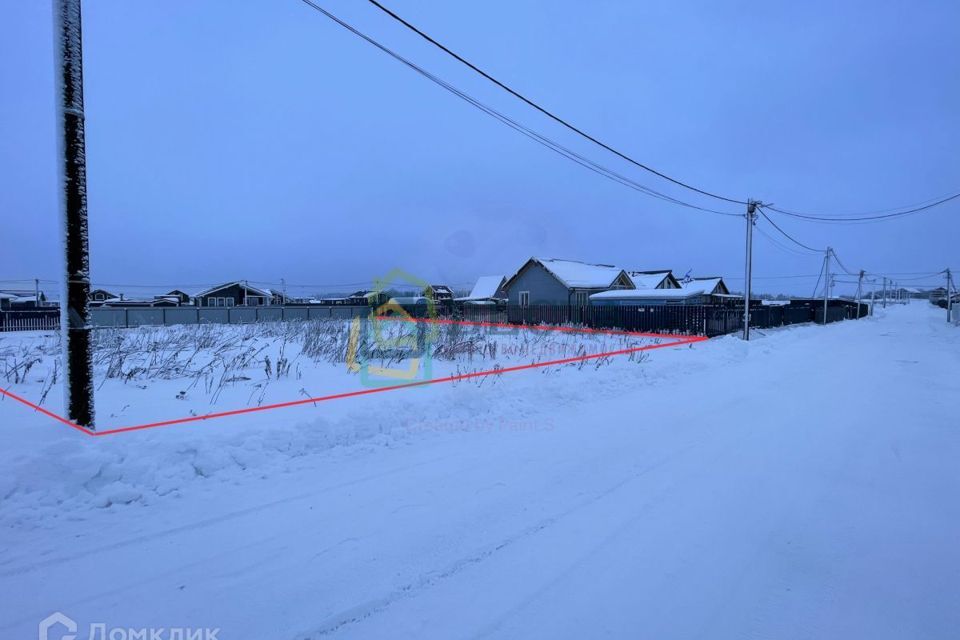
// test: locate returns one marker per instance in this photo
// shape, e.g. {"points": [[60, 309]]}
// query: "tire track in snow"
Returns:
{"points": [[370, 608], [201, 524]]}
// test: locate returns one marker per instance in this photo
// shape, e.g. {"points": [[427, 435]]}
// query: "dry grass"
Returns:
{"points": [[213, 357]]}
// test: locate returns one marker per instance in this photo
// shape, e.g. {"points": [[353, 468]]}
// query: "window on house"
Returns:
{"points": [[228, 302], [524, 298]]}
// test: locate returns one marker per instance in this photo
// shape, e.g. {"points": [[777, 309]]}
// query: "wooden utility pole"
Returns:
{"points": [[74, 302], [748, 268]]}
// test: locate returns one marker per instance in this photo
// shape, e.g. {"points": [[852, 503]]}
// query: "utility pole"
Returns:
{"points": [[949, 295], [859, 292], [748, 275], [74, 302], [36, 292], [826, 282], [884, 292]]}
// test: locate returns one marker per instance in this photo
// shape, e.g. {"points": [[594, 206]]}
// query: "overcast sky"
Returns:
{"points": [[258, 140]]}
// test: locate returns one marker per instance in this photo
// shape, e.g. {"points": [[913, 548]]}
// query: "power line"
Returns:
{"points": [[780, 245], [738, 278], [838, 219], [541, 109], [513, 124], [865, 217], [837, 258], [817, 286], [787, 235]]}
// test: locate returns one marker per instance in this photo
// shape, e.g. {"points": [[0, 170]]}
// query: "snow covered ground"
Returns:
{"points": [[803, 485]]}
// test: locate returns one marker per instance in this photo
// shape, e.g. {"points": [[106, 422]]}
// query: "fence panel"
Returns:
{"points": [[139, 317], [242, 315], [296, 313], [209, 315], [181, 315], [796, 315], [269, 314]]}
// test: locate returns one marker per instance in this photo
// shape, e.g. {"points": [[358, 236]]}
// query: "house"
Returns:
{"points": [[566, 282], [99, 295], [22, 299], [439, 292], [659, 279], [181, 296], [363, 298], [370, 298], [278, 297], [157, 301], [488, 289], [233, 294], [713, 285]]}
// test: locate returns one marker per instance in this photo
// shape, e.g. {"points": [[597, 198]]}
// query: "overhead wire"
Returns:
{"points": [[840, 219], [517, 126], [785, 234], [543, 110]]}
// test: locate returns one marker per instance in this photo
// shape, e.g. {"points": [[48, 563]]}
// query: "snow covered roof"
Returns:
{"points": [[254, 290], [652, 294], [708, 284], [486, 288], [19, 295], [580, 275], [441, 288], [648, 279]]}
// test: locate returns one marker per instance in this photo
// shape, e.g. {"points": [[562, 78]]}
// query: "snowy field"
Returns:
{"points": [[152, 374], [803, 485]]}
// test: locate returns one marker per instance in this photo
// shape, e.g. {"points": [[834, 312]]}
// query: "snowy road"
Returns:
{"points": [[801, 486]]}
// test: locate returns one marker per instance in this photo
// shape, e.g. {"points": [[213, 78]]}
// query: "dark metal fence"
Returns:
{"points": [[705, 320]]}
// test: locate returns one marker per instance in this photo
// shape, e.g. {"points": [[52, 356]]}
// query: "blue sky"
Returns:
{"points": [[258, 140]]}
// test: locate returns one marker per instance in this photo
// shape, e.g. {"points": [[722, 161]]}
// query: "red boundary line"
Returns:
{"points": [[676, 341]]}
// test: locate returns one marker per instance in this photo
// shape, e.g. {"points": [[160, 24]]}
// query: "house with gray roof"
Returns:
{"points": [[562, 282]]}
